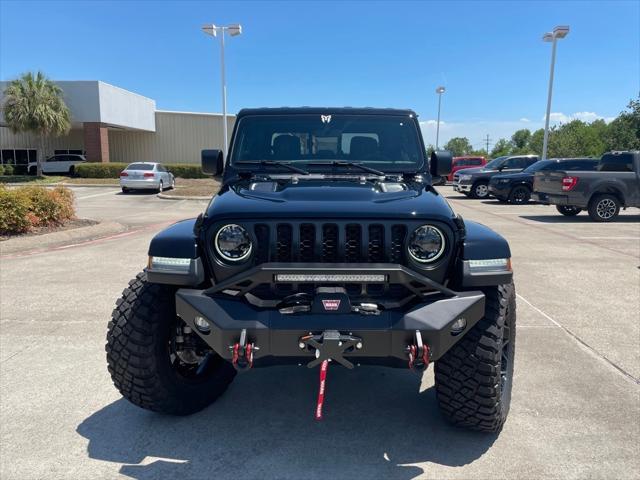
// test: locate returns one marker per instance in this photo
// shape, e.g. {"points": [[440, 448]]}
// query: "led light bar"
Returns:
{"points": [[330, 278], [169, 264], [490, 265]]}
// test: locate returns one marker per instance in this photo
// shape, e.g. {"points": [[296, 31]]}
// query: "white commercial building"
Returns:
{"points": [[110, 124]]}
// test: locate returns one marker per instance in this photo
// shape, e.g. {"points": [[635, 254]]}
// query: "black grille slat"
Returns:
{"points": [[284, 243], [330, 243], [262, 248], [307, 242], [375, 251], [396, 250], [352, 243]]}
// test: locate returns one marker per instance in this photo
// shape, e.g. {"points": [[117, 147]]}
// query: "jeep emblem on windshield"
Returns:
{"points": [[331, 304], [325, 118]]}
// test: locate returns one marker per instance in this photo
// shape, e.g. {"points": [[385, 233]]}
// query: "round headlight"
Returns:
{"points": [[426, 244], [233, 243]]}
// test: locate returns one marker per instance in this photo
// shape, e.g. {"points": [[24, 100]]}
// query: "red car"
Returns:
{"points": [[465, 162]]}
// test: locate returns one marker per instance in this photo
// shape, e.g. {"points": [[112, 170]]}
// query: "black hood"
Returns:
{"points": [[464, 171], [329, 199]]}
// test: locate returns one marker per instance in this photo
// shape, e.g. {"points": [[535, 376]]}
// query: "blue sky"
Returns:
{"points": [[489, 55]]}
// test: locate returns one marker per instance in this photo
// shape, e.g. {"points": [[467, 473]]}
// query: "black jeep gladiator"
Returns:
{"points": [[613, 185], [326, 244]]}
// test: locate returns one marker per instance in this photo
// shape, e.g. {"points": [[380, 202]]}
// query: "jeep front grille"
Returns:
{"points": [[331, 242]]}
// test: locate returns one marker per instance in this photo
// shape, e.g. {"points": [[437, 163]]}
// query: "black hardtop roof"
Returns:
{"points": [[326, 111]]}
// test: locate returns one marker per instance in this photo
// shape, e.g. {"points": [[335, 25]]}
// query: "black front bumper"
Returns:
{"points": [[384, 337]]}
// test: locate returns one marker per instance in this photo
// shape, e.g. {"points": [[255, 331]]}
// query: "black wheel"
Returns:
{"points": [[480, 190], [155, 360], [125, 190], [72, 171], [520, 194], [604, 207], [568, 210], [474, 379]]}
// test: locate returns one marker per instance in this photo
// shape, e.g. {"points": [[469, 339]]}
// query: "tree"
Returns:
{"points": [[459, 146], [520, 140], [502, 147], [536, 141], [33, 103], [624, 132]]}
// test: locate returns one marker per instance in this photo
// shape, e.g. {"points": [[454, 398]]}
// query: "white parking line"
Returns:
{"points": [[611, 238], [588, 347], [97, 195]]}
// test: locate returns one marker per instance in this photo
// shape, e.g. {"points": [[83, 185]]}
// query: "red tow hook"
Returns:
{"points": [[324, 366], [419, 354], [242, 353]]}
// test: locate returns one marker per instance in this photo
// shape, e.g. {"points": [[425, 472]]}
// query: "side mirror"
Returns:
{"points": [[501, 167], [212, 162], [440, 163]]}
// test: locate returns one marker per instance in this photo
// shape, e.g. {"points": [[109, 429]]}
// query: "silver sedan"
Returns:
{"points": [[146, 175]]}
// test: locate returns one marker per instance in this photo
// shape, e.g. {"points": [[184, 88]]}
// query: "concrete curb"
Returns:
{"points": [[176, 197], [46, 240]]}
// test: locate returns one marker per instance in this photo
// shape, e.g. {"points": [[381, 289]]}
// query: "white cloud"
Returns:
{"points": [[476, 131], [559, 117]]}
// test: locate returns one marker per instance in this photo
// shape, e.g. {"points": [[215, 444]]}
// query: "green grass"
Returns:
{"points": [[32, 179]]}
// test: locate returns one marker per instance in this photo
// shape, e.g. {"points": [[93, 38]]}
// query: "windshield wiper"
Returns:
{"points": [[271, 163], [343, 163]]}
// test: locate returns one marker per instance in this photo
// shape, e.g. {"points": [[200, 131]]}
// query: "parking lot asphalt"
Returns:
{"points": [[575, 411]]}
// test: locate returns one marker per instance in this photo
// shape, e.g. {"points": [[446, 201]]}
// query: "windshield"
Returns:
{"points": [[383, 142], [534, 167], [495, 163]]}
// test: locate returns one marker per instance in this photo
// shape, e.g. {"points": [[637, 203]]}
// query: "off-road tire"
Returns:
{"points": [[568, 210], [470, 387], [138, 354], [479, 186], [604, 207]]}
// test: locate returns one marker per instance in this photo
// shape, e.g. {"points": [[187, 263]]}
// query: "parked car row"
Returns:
{"points": [[600, 186]]}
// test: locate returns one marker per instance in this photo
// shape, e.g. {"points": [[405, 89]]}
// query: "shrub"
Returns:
{"points": [[14, 210], [99, 170], [1, 169], [112, 170], [186, 170], [34, 206], [8, 169]]}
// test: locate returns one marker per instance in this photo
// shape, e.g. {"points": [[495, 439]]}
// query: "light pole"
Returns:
{"points": [[439, 91], [233, 30], [558, 32]]}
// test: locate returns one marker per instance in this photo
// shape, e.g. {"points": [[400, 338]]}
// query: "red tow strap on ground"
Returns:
{"points": [[323, 378]]}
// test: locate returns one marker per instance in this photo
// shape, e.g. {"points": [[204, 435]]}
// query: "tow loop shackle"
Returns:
{"points": [[242, 352], [419, 354]]}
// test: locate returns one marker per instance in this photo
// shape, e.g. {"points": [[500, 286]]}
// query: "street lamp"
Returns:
{"points": [[439, 91], [213, 30], [558, 32]]}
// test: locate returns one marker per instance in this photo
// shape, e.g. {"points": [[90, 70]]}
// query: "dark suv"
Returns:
{"points": [[474, 182], [517, 187], [326, 245]]}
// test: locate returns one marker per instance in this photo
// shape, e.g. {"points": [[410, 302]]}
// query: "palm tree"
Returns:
{"points": [[33, 103]]}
